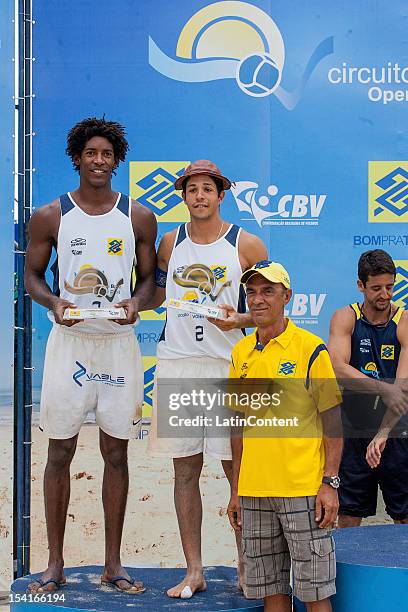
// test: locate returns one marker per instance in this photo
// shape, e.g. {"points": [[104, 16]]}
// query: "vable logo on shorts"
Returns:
{"points": [[286, 367], [105, 378], [115, 246], [387, 351]]}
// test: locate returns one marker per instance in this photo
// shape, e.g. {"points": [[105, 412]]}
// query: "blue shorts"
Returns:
{"points": [[359, 483]]}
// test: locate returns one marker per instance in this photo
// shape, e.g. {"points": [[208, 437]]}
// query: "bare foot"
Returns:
{"points": [[119, 579], [51, 580], [192, 583]]}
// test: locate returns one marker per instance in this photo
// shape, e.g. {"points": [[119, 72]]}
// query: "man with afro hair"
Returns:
{"points": [[103, 241]]}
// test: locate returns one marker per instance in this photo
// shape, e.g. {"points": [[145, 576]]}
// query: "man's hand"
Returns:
{"points": [[395, 397], [232, 320], [58, 308], [327, 506], [131, 307], [375, 449], [234, 512]]}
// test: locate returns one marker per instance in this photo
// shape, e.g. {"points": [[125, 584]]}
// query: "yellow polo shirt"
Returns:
{"points": [[285, 461]]}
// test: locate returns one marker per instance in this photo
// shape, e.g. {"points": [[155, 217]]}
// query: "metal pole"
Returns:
{"points": [[19, 369], [23, 325], [27, 300]]}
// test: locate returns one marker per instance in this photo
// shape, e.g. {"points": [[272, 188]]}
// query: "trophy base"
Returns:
{"points": [[79, 314], [193, 307]]}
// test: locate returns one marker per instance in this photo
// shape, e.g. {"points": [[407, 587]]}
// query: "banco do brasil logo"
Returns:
{"points": [[235, 40], [286, 367], [400, 295], [149, 367], [387, 192], [152, 184]]}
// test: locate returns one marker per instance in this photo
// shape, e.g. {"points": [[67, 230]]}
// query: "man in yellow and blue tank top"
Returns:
{"points": [[369, 349]]}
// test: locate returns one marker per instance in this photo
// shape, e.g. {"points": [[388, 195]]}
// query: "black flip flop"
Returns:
{"points": [[113, 584]]}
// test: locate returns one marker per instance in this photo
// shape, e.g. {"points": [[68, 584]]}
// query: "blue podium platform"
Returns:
{"points": [[372, 569], [83, 593]]}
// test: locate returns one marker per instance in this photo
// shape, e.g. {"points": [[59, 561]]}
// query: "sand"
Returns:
{"points": [[150, 531]]}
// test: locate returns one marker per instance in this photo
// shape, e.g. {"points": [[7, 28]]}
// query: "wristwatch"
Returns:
{"points": [[333, 481]]}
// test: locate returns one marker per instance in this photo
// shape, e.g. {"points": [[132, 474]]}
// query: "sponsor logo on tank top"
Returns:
{"points": [[75, 243], [115, 246], [364, 342], [387, 351], [370, 369]]}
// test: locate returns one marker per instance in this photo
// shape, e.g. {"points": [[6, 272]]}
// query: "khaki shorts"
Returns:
{"points": [[173, 448], [100, 373], [278, 532]]}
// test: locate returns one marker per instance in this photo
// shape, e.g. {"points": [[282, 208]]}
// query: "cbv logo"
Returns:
{"points": [[272, 209], [306, 306]]}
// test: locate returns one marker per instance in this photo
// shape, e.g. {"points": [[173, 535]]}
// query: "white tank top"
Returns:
{"points": [[95, 260], [207, 274]]}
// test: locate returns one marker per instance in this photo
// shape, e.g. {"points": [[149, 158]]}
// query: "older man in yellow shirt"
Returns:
{"points": [[285, 480]]}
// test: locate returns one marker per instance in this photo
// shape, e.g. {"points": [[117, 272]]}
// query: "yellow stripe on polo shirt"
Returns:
{"points": [[285, 461]]}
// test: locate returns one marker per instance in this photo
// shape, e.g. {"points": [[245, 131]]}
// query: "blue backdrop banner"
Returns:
{"points": [[303, 106]]}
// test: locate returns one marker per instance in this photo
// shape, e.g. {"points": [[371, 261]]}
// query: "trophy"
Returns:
{"points": [[76, 314], [193, 307]]}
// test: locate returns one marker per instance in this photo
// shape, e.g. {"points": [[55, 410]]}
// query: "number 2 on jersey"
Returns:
{"points": [[199, 333]]}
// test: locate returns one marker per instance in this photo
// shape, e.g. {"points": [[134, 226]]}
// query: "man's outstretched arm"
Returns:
{"points": [[251, 250]]}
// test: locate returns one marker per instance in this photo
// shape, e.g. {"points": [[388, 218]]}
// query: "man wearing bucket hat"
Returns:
{"points": [[200, 262], [284, 498]]}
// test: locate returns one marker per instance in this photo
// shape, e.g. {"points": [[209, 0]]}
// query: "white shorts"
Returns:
{"points": [[199, 367], [101, 373]]}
